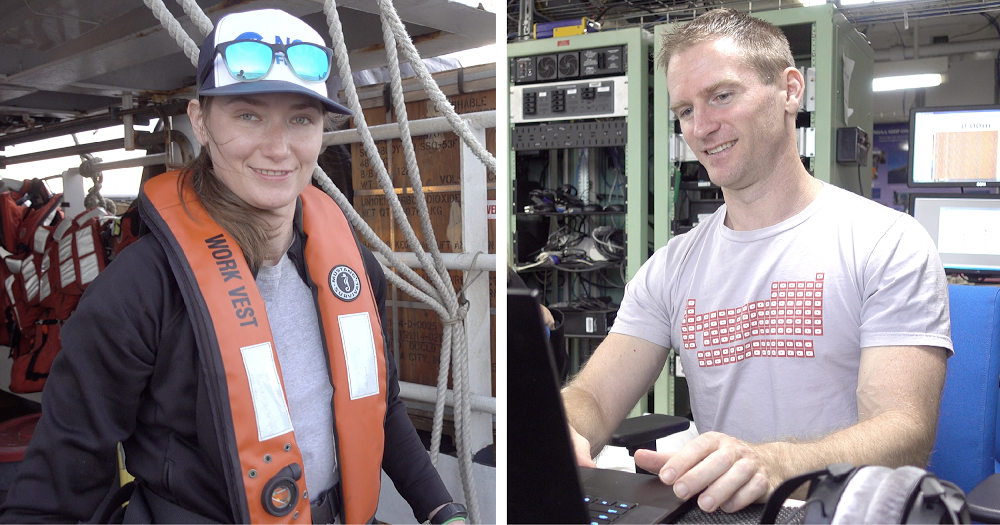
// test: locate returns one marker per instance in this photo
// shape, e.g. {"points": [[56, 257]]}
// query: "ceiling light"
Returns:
{"points": [[909, 74], [907, 82], [859, 2]]}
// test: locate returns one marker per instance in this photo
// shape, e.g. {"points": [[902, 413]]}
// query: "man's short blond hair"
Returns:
{"points": [[765, 47]]}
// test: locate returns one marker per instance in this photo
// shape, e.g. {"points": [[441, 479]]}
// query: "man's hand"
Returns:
{"points": [[731, 473], [547, 318], [581, 446]]}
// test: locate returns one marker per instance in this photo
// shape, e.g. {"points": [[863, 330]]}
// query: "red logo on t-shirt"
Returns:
{"points": [[781, 326]]}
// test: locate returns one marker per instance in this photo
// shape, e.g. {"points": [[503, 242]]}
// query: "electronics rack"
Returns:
{"points": [[573, 93], [626, 122], [820, 38]]}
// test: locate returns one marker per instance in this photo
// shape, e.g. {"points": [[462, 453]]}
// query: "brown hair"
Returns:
{"points": [[234, 214], [764, 46]]}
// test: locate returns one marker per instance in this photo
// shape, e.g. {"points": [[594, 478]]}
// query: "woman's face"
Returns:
{"points": [[263, 147]]}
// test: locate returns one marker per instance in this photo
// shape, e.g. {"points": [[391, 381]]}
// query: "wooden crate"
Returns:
{"points": [[419, 332], [437, 154], [416, 330]]}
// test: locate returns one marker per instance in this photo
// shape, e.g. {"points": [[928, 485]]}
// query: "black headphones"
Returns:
{"points": [[872, 494]]}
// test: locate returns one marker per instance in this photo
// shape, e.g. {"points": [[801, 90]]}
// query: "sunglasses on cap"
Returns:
{"points": [[251, 60]]}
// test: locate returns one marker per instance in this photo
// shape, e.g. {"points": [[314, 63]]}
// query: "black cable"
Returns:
{"points": [[609, 282], [861, 189], [537, 13], [901, 42], [602, 13]]}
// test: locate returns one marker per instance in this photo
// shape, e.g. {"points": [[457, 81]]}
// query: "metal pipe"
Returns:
{"points": [[427, 126], [148, 160], [127, 122], [143, 140], [444, 188], [62, 152], [369, 93], [428, 394], [936, 50], [486, 262], [525, 20], [111, 118]]}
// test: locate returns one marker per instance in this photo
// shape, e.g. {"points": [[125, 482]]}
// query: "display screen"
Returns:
{"points": [[965, 228], [956, 146]]}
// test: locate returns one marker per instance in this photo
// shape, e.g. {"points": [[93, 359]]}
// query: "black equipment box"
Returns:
{"points": [[587, 323]]}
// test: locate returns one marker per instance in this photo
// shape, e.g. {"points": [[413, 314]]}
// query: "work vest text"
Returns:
{"points": [[223, 256]]}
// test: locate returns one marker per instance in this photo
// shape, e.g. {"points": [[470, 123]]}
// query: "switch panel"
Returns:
{"points": [[524, 70], [606, 97], [602, 61]]}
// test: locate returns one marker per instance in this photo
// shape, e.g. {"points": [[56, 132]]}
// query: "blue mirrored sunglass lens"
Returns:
{"points": [[309, 62], [249, 60]]}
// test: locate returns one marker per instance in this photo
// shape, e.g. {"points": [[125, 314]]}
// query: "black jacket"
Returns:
{"points": [[129, 371]]}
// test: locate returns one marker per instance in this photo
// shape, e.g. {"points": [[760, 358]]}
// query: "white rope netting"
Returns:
{"points": [[174, 28]]}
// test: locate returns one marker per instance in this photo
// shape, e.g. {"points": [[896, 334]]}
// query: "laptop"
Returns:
{"points": [[544, 484]]}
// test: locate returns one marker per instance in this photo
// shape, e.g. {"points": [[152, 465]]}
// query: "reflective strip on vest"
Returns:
{"points": [[30, 279], [221, 295], [41, 239], [61, 229], [89, 269]]}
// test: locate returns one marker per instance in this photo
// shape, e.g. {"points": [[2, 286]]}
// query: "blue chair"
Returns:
{"points": [[967, 449]]}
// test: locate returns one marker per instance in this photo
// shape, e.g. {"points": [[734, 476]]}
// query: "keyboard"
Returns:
{"points": [[605, 510]]}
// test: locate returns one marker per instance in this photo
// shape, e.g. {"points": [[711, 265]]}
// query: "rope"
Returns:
{"points": [[467, 284], [340, 51], [433, 91], [453, 332], [399, 109], [457, 344], [460, 358], [194, 12], [174, 28], [94, 199]]}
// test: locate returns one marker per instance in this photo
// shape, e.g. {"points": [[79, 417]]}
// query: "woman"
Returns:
{"points": [[251, 291]]}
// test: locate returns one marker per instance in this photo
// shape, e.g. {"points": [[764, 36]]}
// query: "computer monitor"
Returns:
{"points": [[965, 228], [954, 146]]}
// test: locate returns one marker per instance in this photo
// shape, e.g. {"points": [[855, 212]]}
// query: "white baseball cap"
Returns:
{"points": [[269, 26]]}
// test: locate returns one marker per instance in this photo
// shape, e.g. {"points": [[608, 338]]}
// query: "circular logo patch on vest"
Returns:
{"points": [[345, 283]]}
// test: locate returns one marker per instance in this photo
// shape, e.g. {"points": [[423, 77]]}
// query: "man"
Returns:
{"points": [[812, 324]]}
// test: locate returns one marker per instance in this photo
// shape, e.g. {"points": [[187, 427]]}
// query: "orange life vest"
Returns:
{"points": [[232, 329]]}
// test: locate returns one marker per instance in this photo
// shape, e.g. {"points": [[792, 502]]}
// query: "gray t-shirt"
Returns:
{"points": [[291, 312], [770, 323]]}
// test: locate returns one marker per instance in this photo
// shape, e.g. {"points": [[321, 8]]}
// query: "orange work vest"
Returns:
{"points": [[237, 350]]}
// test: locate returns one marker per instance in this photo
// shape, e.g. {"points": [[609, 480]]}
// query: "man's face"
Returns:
{"points": [[732, 121]]}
